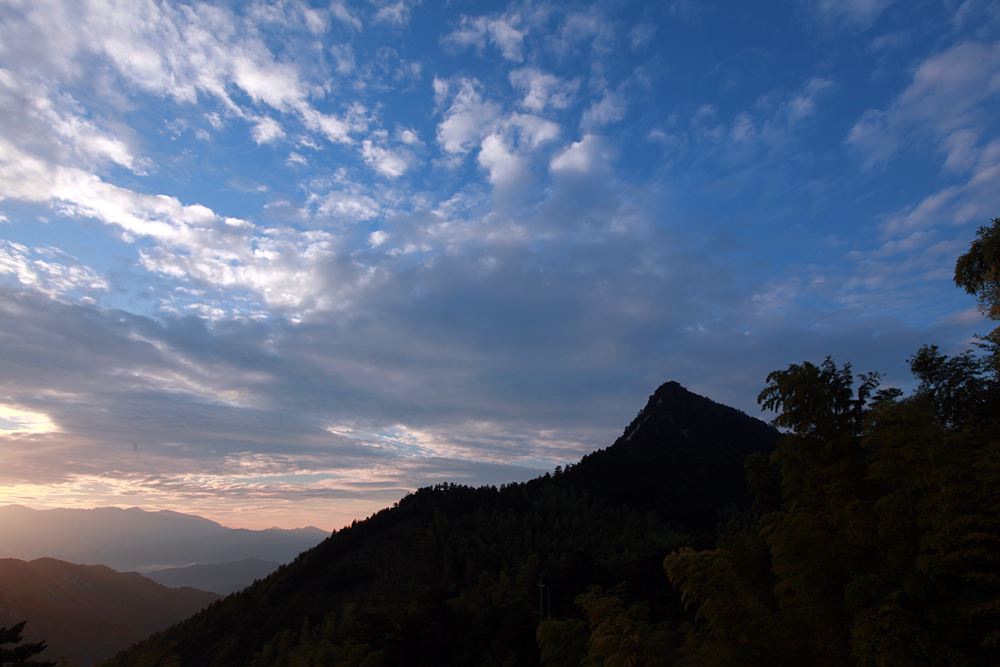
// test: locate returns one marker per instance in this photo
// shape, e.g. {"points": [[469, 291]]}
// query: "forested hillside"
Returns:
{"points": [[87, 613], [449, 576]]}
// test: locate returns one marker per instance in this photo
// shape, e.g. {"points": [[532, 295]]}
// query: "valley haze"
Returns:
{"points": [[135, 540]]}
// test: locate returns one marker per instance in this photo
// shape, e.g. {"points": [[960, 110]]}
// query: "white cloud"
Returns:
{"points": [[52, 122], [267, 130], [743, 129], [345, 206], [344, 55], [48, 270], [590, 155], [284, 268], [792, 113], [395, 13], [977, 200], [173, 51], [609, 109], [592, 25], [947, 104], [506, 169], [534, 131], [542, 90], [344, 15], [409, 137], [502, 32], [384, 161], [467, 119]]}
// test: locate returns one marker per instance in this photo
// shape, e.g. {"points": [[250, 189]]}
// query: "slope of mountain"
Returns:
{"points": [[451, 575], [88, 612], [221, 578], [143, 539]]}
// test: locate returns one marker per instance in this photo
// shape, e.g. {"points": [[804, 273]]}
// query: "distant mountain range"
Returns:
{"points": [[221, 578], [87, 613], [133, 539]]}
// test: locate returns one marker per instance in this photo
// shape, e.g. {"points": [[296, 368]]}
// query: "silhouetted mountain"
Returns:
{"points": [[221, 578], [449, 575], [682, 456], [141, 539], [88, 612]]}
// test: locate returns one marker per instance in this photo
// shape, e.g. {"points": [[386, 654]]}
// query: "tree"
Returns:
{"points": [[978, 272], [18, 656], [954, 387], [884, 547]]}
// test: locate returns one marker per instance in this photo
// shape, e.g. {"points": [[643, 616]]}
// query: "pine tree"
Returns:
{"points": [[18, 656]]}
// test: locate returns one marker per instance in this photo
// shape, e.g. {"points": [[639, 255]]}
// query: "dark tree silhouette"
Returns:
{"points": [[16, 656]]}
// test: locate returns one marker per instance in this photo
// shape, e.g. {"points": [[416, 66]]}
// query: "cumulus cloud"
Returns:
{"points": [[468, 117], [507, 170], [589, 156], [534, 131], [267, 130]]}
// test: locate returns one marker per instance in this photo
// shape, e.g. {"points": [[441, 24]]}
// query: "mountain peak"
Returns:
{"points": [[682, 456]]}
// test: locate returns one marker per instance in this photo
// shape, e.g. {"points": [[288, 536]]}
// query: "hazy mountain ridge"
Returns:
{"points": [[449, 574], [142, 539], [88, 612], [221, 578]]}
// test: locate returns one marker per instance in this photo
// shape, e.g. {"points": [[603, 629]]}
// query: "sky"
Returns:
{"points": [[280, 263]]}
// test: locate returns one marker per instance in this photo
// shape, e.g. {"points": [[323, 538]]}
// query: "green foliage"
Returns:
{"points": [[978, 270], [954, 387], [616, 633], [884, 548], [18, 656], [818, 400]]}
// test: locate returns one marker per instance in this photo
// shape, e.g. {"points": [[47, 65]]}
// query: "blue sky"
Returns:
{"points": [[280, 263]]}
